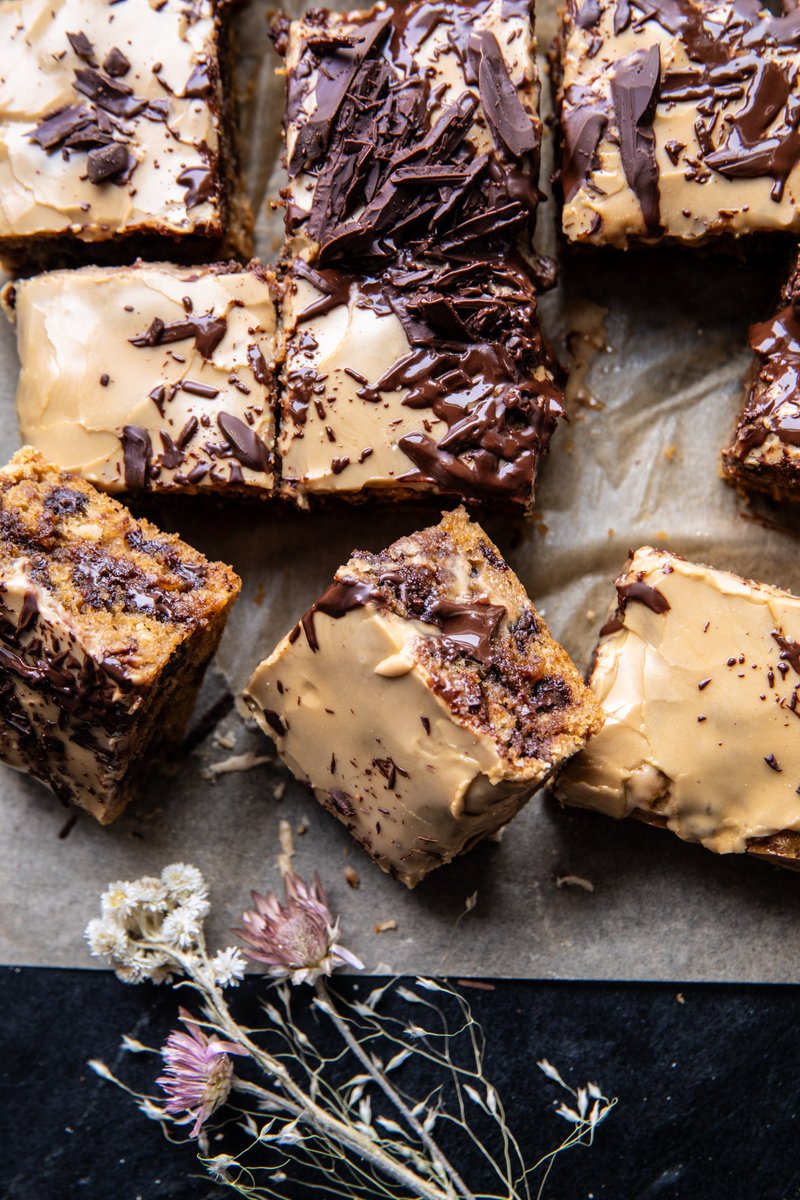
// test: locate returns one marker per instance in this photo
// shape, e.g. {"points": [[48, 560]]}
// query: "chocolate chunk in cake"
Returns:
{"points": [[117, 132], [423, 698], [698, 675], [423, 377], [106, 628], [765, 452], [410, 121], [679, 120], [150, 377]]}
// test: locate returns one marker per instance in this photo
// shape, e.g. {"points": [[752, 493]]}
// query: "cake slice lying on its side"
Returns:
{"points": [[764, 455], [106, 628], [410, 122], [418, 378], [150, 377], [423, 698], [698, 675]]}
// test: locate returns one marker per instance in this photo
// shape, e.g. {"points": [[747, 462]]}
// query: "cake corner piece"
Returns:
{"points": [[106, 628], [422, 697]]}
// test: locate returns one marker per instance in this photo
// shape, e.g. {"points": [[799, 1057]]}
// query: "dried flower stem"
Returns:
{"points": [[300, 1105], [325, 1004]]}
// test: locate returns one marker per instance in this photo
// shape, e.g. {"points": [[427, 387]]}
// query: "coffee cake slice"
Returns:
{"points": [[117, 133], [420, 378], [410, 122], [764, 455], [423, 698], [106, 628], [698, 676], [151, 377], [678, 120]]}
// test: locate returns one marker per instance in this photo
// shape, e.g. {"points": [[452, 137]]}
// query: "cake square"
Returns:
{"points": [[421, 378], [106, 627], [698, 676], [423, 698], [117, 132], [152, 377], [410, 122], [765, 452], [678, 121]]}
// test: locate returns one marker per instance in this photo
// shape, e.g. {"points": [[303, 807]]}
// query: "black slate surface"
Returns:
{"points": [[707, 1088]]}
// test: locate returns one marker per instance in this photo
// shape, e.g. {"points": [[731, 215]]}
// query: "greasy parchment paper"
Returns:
{"points": [[658, 341]]}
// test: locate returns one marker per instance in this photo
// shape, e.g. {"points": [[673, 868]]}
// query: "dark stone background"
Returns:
{"points": [[708, 1105]]}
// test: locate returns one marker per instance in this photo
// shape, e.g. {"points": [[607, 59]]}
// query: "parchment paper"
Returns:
{"points": [[658, 340]]}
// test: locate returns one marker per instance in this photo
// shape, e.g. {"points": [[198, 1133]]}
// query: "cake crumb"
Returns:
{"points": [[236, 762], [386, 926], [302, 827], [680, 998], [670, 452], [575, 881], [279, 789], [224, 741], [284, 860], [353, 878]]}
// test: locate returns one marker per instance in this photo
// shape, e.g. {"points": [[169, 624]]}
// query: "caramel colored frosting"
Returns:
{"points": [[418, 378], [442, 102], [151, 376], [397, 698], [679, 120], [108, 118], [698, 676]]}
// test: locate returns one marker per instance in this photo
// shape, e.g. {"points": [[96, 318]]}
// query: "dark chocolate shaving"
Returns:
{"points": [[116, 64], [246, 445], [635, 90], [512, 127], [106, 162], [137, 453], [82, 47]]}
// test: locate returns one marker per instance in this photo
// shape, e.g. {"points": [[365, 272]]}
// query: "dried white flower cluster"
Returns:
{"points": [[153, 929]]}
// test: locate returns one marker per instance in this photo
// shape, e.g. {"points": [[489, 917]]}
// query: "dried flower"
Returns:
{"points": [[150, 927], [198, 1073], [228, 966], [297, 939]]}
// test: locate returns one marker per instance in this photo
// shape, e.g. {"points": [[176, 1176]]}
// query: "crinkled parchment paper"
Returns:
{"points": [[659, 343]]}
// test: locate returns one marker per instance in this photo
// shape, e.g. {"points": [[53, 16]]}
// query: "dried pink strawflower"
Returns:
{"points": [[198, 1073], [296, 939]]}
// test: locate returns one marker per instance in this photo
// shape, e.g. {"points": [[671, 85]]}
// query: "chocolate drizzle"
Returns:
{"points": [[340, 598], [207, 331], [643, 593]]}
